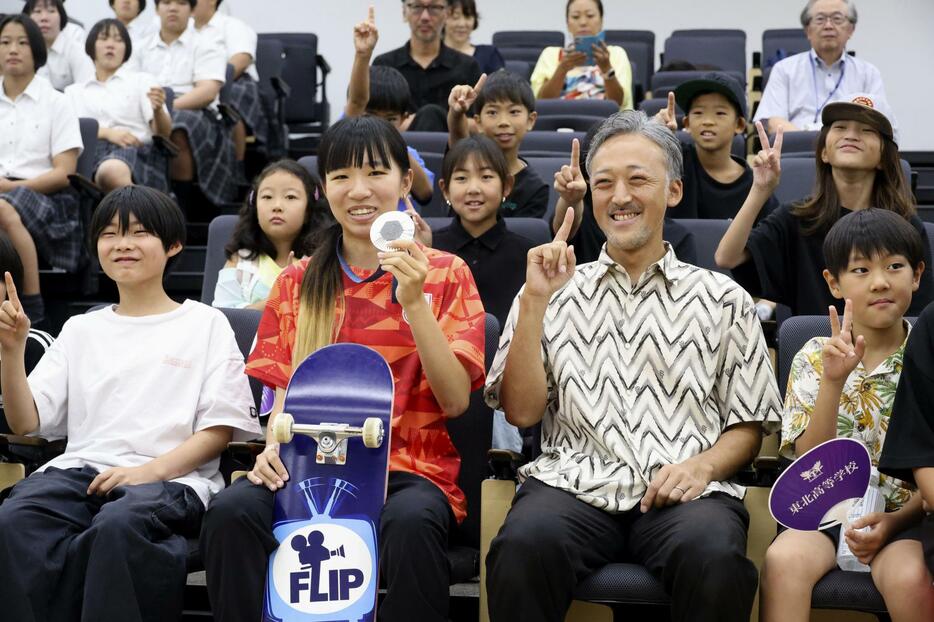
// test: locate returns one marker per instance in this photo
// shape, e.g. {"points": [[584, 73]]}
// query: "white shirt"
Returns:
{"points": [[126, 390], [186, 60], [120, 102], [141, 28], [801, 85], [235, 36], [642, 374], [76, 33], [67, 63], [39, 124]]}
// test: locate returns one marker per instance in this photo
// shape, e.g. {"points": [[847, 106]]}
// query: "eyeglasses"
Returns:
{"points": [[837, 19], [435, 10]]}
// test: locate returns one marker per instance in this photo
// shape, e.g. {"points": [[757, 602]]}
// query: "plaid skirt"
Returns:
{"points": [[54, 222], [148, 164], [243, 96], [213, 152]]}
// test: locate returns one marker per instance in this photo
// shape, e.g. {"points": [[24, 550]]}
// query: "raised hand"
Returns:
{"points": [[668, 115], [463, 96], [14, 325], [410, 267], [841, 353], [569, 182], [156, 97], [550, 266], [422, 229], [767, 164], [365, 34]]}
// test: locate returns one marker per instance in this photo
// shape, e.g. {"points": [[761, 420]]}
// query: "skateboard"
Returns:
{"points": [[334, 442]]}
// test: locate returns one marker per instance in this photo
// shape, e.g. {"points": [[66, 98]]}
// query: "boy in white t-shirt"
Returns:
{"points": [[148, 393]]}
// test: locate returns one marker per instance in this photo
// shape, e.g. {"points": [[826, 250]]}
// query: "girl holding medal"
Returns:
{"points": [[430, 329]]}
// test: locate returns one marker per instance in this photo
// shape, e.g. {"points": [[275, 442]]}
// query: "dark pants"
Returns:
{"points": [[65, 555], [551, 541], [236, 541]]}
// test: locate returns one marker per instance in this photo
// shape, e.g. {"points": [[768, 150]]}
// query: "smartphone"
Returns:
{"points": [[585, 45]]}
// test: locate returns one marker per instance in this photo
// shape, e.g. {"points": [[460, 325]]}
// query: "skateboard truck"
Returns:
{"points": [[331, 438]]}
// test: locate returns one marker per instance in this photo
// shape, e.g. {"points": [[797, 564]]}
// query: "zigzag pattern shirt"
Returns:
{"points": [[641, 375]]}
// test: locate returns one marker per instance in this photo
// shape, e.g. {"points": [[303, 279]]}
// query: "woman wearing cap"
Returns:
{"points": [[858, 166], [563, 72]]}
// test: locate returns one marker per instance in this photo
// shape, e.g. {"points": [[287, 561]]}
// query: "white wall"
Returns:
{"points": [[895, 35]]}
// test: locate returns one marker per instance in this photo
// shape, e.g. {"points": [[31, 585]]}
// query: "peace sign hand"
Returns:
{"points": [[463, 96], [569, 182], [14, 325], [841, 353], [667, 116], [767, 164], [365, 34], [550, 266]]}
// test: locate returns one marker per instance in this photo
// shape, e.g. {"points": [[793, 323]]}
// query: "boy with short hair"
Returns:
{"points": [[504, 110], [716, 182], [844, 386], [148, 393]]}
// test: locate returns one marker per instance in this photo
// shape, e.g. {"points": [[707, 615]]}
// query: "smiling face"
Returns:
{"points": [[506, 123], [425, 18], [134, 256], [631, 193], [584, 18], [475, 192], [458, 27], [829, 28], [853, 145], [46, 16], [281, 204], [712, 122], [880, 287], [15, 53], [109, 50], [358, 195]]}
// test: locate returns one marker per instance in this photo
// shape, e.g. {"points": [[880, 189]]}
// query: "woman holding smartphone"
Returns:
{"points": [[569, 73]]}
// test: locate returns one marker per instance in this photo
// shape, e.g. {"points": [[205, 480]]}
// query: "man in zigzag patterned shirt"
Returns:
{"points": [[653, 384]]}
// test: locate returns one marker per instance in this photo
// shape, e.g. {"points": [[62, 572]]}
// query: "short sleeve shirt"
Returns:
{"points": [[236, 37], [584, 82], [122, 102], [642, 374], [432, 85], [67, 63], [705, 197], [182, 63], [864, 412], [367, 315]]}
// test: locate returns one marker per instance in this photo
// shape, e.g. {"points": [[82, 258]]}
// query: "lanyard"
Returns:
{"points": [[356, 279], [836, 86]]}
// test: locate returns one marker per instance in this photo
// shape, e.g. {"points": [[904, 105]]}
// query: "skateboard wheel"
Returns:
{"points": [[282, 428], [372, 432]]}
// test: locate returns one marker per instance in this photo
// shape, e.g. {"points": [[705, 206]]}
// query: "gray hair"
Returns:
{"points": [[635, 122], [850, 12]]}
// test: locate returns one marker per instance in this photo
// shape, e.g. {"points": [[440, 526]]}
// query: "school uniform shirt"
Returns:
{"points": [[367, 315], [125, 390], [705, 197], [142, 27], [863, 414], [529, 196], [37, 342], [39, 124], [432, 85], [640, 375], [75, 32], [909, 440], [801, 85], [235, 36], [584, 82], [121, 101], [786, 266], [67, 63], [496, 259], [183, 62]]}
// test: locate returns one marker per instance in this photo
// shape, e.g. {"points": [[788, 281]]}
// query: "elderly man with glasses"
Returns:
{"points": [[431, 68], [801, 85]]}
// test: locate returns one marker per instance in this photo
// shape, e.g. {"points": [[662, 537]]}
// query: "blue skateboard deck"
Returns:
{"points": [[326, 517]]}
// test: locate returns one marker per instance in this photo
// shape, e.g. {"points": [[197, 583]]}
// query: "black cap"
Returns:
{"points": [[713, 82]]}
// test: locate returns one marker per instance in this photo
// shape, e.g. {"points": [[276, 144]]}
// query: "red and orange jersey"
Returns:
{"points": [[420, 440]]}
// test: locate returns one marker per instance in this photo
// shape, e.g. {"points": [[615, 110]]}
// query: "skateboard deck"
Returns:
{"points": [[338, 408]]}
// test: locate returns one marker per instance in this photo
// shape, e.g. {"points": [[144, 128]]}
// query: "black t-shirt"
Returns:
{"points": [[37, 342], [497, 260], [909, 440], [432, 85], [529, 196], [786, 266], [705, 197], [589, 238]]}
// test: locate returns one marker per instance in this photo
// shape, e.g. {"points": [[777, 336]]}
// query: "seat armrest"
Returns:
{"points": [[165, 144], [86, 187], [504, 463], [281, 87]]}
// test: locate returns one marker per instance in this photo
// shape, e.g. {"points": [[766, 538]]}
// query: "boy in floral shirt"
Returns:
{"points": [[844, 386]]}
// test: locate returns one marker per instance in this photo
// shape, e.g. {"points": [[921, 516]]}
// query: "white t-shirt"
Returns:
{"points": [[39, 124], [125, 390], [186, 60], [235, 36], [120, 102], [67, 63]]}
